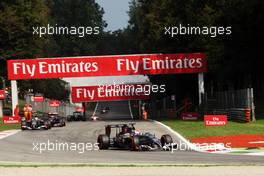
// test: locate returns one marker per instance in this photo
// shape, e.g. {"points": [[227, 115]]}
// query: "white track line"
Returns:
{"points": [[255, 154], [129, 105], [95, 109], [4, 134], [190, 145], [256, 142], [194, 147]]}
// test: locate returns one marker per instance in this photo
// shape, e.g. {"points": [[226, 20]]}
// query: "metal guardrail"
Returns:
{"points": [[64, 109], [231, 103]]}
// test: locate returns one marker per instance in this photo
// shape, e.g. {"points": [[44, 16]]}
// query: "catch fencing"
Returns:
{"points": [[64, 109], [238, 105]]}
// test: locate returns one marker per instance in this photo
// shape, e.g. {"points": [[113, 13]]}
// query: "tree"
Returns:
{"points": [[75, 13], [17, 18], [16, 21], [233, 60], [50, 88]]}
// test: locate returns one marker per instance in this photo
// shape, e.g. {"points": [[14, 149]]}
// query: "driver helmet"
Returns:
{"points": [[125, 129]]}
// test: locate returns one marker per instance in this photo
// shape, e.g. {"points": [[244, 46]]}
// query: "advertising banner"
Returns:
{"points": [[110, 93], [79, 109], [38, 98], [2, 94], [11, 120], [215, 120], [115, 65], [189, 116], [54, 103]]}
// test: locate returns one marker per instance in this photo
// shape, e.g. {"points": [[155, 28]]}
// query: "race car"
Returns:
{"points": [[105, 110], [56, 120], [77, 116], [95, 118], [126, 137], [38, 122]]}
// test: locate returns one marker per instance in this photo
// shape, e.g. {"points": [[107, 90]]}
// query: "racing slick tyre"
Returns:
{"points": [[103, 141], [135, 143], [166, 139]]}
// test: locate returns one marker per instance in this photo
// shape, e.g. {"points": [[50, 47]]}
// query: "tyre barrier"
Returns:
{"points": [[234, 114]]}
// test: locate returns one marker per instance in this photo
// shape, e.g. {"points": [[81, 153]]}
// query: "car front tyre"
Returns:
{"points": [[166, 139]]}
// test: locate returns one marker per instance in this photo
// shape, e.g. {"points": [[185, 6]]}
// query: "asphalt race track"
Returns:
{"points": [[19, 147], [118, 110]]}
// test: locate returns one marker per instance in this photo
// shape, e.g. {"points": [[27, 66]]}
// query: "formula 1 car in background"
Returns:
{"points": [[38, 122], [77, 116], [126, 137], [95, 118], [56, 120], [105, 110]]}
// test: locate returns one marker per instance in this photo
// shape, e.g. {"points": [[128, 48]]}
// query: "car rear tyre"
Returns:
{"points": [[103, 141], [166, 139]]}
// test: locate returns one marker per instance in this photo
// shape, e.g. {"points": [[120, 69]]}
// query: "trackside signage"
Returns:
{"points": [[148, 64], [54, 103], [11, 119], [215, 120], [2, 94], [189, 116], [109, 93], [38, 98], [79, 109]]}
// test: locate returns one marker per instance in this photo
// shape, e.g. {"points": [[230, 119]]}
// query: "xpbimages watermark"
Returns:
{"points": [[212, 31], [80, 31], [131, 89], [56, 145], [212, 147]]}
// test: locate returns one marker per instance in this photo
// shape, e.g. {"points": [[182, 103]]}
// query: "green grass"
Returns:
{"points": [[194, 129], [4, 127]]}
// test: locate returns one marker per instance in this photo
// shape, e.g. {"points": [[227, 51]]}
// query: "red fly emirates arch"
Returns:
{"points": [[113, 65]]}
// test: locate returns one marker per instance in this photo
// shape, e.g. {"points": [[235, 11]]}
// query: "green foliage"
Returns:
{"points": [[75, 13], [16, 21], [227, 56], [50, 88]]}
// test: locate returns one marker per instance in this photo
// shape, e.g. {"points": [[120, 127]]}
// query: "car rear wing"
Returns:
{"points": [[117, 126], [120, 125]]}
